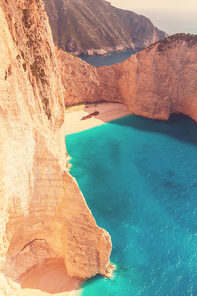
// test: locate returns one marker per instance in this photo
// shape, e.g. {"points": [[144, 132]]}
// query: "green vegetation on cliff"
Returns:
{"points": [[81, 25]]}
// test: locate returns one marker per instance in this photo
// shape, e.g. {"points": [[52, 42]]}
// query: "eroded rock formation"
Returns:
{"points": [[154, 83], [43, 214]]}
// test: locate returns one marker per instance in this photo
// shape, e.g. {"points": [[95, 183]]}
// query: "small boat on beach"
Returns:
{"points": [[90, 115]]}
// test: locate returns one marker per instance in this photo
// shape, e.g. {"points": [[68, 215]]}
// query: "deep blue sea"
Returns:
{"points": [[139, 178], [108, 60]]}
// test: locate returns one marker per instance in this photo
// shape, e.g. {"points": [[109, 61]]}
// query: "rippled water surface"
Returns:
{"points": [[139, 178]]}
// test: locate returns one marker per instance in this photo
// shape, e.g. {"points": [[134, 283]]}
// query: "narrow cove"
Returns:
{"points": [[139, 179], [110, 59]]}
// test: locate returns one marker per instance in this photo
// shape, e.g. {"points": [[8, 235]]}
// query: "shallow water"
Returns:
{"points": [[139, 178]]}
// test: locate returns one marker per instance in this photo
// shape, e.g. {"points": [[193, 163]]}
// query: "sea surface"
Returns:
{"points": [[108, 60], [139, 178]]}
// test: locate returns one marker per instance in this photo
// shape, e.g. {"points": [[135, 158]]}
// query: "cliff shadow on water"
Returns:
{"points": [[139, 179], [183, 134]]}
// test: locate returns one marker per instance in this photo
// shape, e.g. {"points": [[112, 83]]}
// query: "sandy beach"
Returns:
{"points": [[107, 112], [52, 279], [48, 280]]}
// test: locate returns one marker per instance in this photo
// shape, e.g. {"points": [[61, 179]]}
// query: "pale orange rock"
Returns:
{"points": [[160, 80], [43, 214], [81, 81], [154, 83]]}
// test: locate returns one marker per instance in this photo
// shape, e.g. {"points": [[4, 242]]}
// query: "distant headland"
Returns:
{"points": [[96, 27]]}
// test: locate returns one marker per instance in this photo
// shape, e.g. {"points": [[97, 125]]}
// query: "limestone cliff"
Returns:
{"points": [[43, 214], [154, 83], [96, 27], [158, 81]]}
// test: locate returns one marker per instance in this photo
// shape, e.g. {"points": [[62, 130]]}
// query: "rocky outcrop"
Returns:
{"points": [[96, 27], [81, 81], [158, 81], [43, 214], [154, 83]]}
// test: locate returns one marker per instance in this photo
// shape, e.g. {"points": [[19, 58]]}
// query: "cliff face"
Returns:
{"points": [[160, 80], [43, 214], [154, 83], [81, 81], [95, 27]]}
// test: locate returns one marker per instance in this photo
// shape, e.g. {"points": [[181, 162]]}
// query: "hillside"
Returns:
{"points": [[96, 27]]}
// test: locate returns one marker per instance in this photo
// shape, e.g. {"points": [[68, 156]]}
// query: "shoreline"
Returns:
{"points": [[52, 279], [107, 112], [102, 51]]}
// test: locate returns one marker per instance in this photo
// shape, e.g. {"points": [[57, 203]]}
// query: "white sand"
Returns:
{"points": [[49, 280], [107, 112]]}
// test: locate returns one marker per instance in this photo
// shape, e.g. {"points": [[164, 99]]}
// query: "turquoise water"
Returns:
{"points": [[113, 58], [139, 178]]}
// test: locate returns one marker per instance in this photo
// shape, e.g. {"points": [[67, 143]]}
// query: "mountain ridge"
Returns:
{"points": [[96, 27]]}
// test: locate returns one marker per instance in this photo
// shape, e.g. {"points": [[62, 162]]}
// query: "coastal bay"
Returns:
{"points": [[139, 179], [118, 172], [40, 281]]}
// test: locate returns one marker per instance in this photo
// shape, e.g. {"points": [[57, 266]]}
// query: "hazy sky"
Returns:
{"points": [[155, 4], [171, 16]]}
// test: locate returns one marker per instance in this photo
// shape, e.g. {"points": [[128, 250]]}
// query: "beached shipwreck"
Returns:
{"points": [[44, 216]]}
